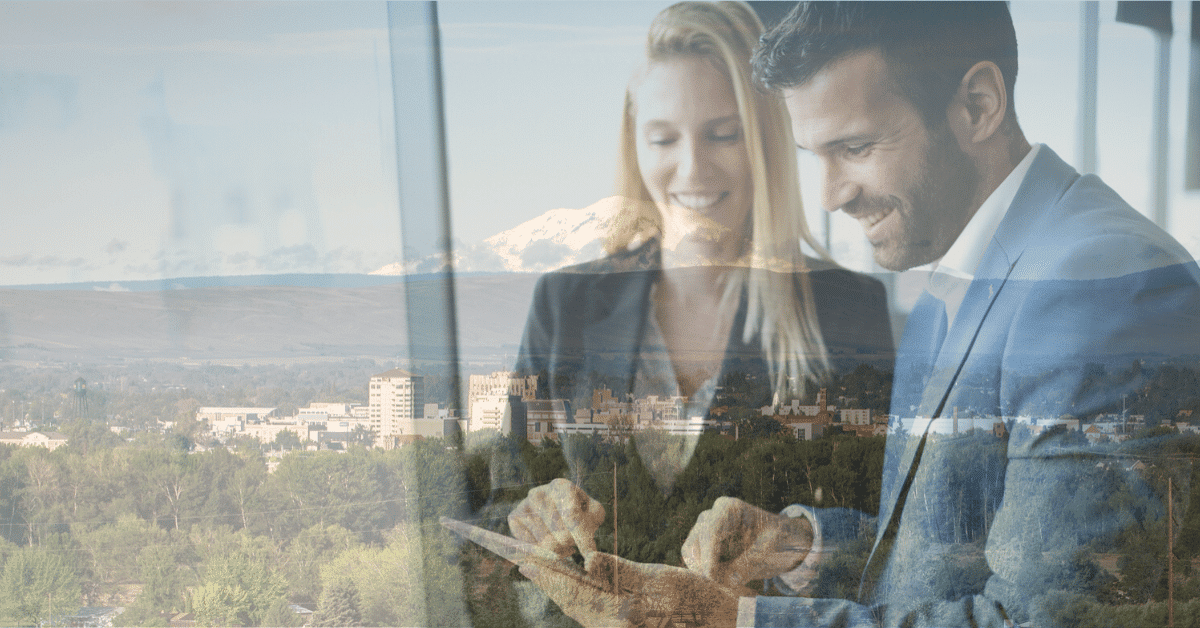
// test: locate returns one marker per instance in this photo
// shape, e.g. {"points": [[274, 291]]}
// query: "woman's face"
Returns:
{"points": [[692, 155]]}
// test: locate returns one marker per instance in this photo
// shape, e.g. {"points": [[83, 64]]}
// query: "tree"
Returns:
{"points": [[547, 462], [111, 549], [238, 589], [166, 571], [281, 614], [301, 562], [84, 435], [350, 490], [362, 436], [339, 606], [170, 481], [752, 424], [36, 585], [286, 440], [390, 581]]}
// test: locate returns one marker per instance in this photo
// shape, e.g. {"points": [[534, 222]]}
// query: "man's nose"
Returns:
{"points": [[837, 189]]}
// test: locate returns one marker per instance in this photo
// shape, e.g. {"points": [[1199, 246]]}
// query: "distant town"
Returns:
{"points": [[505, 402]]}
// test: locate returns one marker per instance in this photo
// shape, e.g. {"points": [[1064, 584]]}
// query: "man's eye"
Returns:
{"points": [[660, 140], [855, 150]]}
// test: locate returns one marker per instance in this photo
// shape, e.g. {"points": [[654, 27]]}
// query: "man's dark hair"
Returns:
{"points": [[928, 46]]}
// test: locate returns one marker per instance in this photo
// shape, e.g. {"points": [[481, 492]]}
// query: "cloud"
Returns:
{"points": [[242, 258], [182, 266], [116, 246], [322, 44], [545, 253], [45, 262], [24, 259], [346, 259], [112, 287], [144, 270], [299, 258], [477, 257], [511, 36]]}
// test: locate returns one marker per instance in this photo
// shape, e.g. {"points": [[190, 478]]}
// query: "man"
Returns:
{"points": [[1048, 296]]}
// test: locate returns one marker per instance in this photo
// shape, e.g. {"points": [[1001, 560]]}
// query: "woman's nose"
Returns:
{"points": [[694, 163]]}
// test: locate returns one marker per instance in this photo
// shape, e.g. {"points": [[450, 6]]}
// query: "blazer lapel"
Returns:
{"points": [[613, 340], [948, 364]]}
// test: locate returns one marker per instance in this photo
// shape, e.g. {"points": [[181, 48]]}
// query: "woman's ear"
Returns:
{"points": [[978, 109]]}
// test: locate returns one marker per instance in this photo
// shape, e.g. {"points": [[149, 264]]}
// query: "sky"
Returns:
{"points": [[156, 140]]}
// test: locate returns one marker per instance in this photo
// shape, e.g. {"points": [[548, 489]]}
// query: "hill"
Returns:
{"points": [[318, 317]]}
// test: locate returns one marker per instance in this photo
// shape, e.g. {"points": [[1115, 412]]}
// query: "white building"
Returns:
{"points": [[331, 409], [502, 383], [653, 410], [266, 432], [486, 393], [229, 420], [856, 416], [582, 428], [395, 400], [49, 440], [807, 431], [345, 424], [504, 413], [541, 415], [795, 408]]}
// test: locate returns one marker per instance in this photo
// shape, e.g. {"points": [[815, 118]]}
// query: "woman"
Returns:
{"points": [[704, 275]]}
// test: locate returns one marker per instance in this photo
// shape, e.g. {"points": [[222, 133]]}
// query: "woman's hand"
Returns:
{"points": [[558, 516]]}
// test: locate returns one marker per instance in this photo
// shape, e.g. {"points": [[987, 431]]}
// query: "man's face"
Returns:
{"points": [[910, 187]]}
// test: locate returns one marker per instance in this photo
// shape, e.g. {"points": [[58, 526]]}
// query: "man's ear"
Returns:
{"points": [[978, 109]]}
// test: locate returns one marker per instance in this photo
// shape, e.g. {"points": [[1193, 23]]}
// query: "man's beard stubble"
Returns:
{"points": [[939, 205]]}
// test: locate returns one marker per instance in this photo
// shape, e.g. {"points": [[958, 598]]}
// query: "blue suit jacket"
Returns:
{"points": [[1076, 293]]}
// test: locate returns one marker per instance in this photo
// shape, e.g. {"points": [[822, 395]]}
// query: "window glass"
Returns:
{"points": [[534, 92], [1125, 111], [146, 141]]}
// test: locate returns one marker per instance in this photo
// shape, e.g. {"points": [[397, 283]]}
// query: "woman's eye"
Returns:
{"points": [[660, 140], [726, 135]]}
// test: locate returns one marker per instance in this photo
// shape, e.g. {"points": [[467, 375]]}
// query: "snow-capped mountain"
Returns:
{"points": [[557, 238]]}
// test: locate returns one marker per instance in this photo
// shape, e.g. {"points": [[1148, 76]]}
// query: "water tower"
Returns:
{"points": [[81, 403]]}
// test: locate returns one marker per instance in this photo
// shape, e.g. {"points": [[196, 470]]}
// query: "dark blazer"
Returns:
{"points": [[1076, 294], [588, 322]]}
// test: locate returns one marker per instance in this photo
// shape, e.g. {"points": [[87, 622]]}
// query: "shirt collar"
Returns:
{"points": [[949, 276], [964, 257]]}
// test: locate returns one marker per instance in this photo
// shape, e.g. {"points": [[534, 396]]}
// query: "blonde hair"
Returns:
{"points": [[725, 34]]}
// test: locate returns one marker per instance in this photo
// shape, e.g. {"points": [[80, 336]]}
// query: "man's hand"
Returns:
{"points": [[558, 516], [734, 543], [619, 593]]}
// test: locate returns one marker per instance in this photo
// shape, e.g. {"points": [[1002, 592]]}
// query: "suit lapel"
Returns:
{"points": [[946, 367], [613, 340]]}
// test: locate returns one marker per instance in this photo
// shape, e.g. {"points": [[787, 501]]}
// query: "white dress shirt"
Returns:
{"points": [[950, 276]]}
